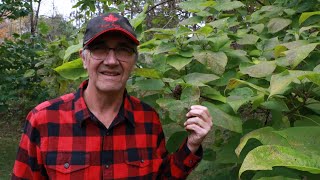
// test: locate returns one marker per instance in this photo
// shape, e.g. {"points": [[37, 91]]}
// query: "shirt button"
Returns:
{"points": [[66, 165], [191, 161], [107, 133], [142, 161], [107, 166]]}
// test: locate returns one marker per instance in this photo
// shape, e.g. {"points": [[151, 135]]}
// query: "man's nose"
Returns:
{"points": [[111, 58]]}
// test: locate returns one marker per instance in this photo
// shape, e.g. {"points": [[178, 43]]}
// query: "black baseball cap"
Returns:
{"points": [[106, 23]]}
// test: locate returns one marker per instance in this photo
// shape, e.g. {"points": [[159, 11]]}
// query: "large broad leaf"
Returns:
{"points": [[264, 135], [268, 156], [175, 140], [263, 69], [304, 139], [277, 173], [233, 83], [296, 55], [277, 24], [275, 104], [150, 85], [165, 47], [213, 94], [238, 97], [135, 22], [196, 6], [191, 21], [216, 61], [248, 39], [147, 73], [72, 70], [177, 109], [190, 95], [279, 83], [72, 49], [178, 61], [199, 79], [222, 119], [227, 6], [304, 16]]}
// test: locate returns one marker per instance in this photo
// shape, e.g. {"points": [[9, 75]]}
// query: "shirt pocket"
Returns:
{"points": [[138, 157], [67, 163]]}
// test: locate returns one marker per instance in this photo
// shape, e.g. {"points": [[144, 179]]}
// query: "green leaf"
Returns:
{"points": [[29, 73], [304, 16], [205, 30], [199, 79], [216, 61], [227, 6], [277, 173], [191, 21], [196, 6], [238, 97], [296, 55], [165, 47], [147, 73], [310, 120], [263, 69], [223, 119], [258, 27], [213, 94], [177, 109], [190, 95], [248, 39], [233, 83], [72, 49], [268, 156], [275, 104], [220, 23], [264, 135], [150, 85], [135, 22], [277, 24], [178, 62], [72, 70], [279, 83], [175, 140]]}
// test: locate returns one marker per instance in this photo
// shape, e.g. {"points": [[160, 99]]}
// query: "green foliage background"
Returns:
{"points": [[254, 64]]}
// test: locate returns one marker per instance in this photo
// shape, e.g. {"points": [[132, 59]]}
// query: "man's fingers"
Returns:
{"points": [[197, 130], [197, 121], [201, 113]]}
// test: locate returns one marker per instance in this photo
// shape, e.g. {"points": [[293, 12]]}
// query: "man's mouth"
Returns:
{"points": [[110, 73]]}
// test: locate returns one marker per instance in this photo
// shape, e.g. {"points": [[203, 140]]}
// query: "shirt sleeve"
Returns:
{"points": [[177, 165], [28, 163]]}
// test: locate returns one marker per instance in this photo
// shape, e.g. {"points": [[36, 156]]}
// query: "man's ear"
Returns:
{"points": [[83, 58]]}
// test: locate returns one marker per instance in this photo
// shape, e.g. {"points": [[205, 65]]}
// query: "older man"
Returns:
{"points": [[100, 131]]}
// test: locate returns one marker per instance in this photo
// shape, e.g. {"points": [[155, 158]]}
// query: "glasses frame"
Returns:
{"points": [[107, 50]]}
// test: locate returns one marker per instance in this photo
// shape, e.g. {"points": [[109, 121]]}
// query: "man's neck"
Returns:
{"points": [[104, 105]]}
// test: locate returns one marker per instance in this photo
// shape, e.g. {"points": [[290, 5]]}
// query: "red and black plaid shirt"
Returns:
{"points": [[62, 140]]}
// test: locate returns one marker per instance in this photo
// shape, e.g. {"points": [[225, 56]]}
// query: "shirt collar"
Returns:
{"points": [[82, 112]]}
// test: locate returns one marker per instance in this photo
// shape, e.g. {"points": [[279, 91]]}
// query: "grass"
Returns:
{"points": [[9, 139]]}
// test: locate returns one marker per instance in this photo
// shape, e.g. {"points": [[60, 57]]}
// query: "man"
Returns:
{"points": [[100, 132]]}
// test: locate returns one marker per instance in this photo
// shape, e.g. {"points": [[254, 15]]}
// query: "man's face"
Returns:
{"points": [[109, 61]]}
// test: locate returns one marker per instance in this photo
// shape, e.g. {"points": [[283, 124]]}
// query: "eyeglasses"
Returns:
{"points": [[122, 53]]}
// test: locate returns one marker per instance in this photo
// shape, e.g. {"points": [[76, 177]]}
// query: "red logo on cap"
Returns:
{"points": [[110, 18]]}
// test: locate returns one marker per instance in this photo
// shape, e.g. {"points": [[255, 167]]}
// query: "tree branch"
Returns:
{"points": [[157, 5]]}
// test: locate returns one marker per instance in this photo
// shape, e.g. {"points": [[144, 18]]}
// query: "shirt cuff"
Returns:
{"points": [[188, 158]]}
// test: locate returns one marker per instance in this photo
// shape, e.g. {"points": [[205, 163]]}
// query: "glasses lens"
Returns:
{"points": [[98, 54], [124, 53], [121, 53]]}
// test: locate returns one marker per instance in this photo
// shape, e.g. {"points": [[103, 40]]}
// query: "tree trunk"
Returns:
{"points": [[34, 18]]}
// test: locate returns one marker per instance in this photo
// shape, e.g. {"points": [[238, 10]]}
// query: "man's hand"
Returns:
{"points": [[199, 124]]}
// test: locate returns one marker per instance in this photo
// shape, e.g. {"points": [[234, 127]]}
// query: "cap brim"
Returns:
{"points": [[123, 31]]}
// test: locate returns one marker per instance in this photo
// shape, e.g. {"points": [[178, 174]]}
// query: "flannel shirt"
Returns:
{"points": [[63, 140]]}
